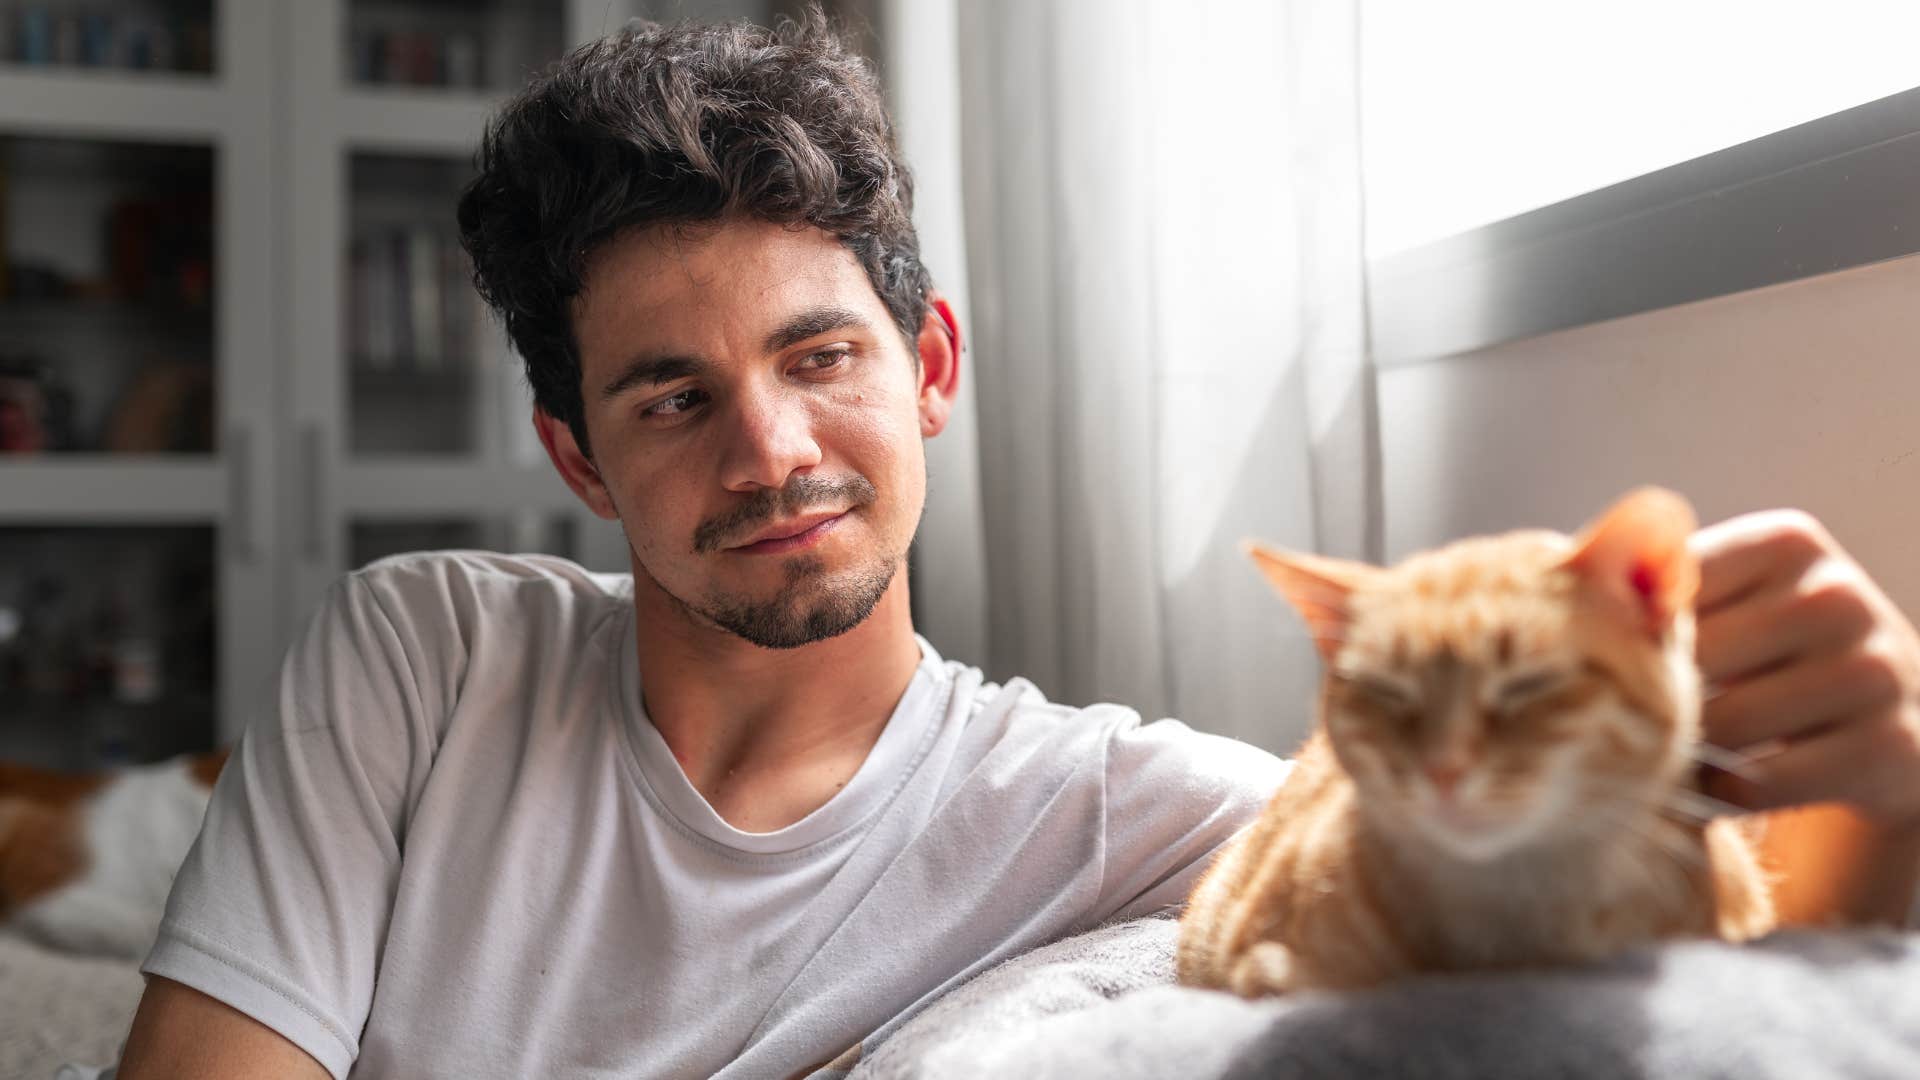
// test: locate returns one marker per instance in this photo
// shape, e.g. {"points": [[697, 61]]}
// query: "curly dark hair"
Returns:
{"points": [[682, 124]]}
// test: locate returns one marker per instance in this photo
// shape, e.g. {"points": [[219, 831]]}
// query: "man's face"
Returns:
{"points": [[756, 421]]}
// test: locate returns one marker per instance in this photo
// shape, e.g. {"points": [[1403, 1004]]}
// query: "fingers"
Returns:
{"points": [[1742, 555], [1878, 755], [1814, 668], [1822, 608], [1802, 698]]}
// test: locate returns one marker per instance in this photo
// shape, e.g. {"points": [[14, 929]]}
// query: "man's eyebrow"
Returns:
{"points": [[648, 370], [652, 371], [812, 323]]}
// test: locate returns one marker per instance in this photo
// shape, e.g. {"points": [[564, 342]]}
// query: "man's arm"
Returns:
{"points": [[1174, 797], [279, 910], [1838, 866], [180, 1032]]}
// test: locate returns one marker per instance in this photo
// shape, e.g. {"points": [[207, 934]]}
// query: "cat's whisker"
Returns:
{"points": [[1686, 855], [1727, 761], [1635, 820], [1699, 808]]}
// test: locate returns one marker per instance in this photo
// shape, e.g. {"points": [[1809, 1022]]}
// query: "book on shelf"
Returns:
{"points": [[410, 302], [425, 287], [417, 58], [47, 34]]}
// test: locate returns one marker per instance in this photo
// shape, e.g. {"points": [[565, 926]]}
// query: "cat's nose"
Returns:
{"points": [[1444, 776]]}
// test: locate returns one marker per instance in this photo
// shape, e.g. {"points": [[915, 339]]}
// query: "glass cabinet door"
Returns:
{"points": [[428, 371], [411, 413], [108, 645], [473, 46], [137, 596], [106, 297]]}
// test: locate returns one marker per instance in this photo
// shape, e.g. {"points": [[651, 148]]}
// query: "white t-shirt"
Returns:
{"points": [[454, 846]]}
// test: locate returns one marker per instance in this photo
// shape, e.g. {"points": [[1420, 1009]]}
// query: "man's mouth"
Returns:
{"points": [[793, 534]]}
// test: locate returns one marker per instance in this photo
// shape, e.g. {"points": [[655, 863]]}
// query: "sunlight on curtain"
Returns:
{"points": [[949, 573], [1163, 238]]}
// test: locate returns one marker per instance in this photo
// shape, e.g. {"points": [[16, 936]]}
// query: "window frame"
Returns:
{"points": [[1834, 193]]}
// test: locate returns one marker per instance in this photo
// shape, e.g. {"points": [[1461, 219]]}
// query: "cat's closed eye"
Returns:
{"points": [[1383, 692], [1525, 690]]}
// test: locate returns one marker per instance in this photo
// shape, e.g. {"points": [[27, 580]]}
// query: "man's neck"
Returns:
{"points": [[767, 736]]}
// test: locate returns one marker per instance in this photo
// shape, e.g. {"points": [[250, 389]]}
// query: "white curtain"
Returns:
{"points": [[1156, 205]]}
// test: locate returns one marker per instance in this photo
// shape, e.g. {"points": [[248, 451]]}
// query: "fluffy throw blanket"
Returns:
{"points": [[56, 1007], [1798, 1004]]}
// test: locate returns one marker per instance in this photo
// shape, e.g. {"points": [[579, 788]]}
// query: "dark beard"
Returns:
{"points": [[807, 609], [810, 606]]}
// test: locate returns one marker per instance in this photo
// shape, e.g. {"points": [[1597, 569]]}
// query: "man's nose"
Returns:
{"points": [[772, 439]]}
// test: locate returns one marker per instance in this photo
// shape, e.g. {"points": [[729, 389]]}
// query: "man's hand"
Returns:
{"points": [[1813, 675], [1811, 671]]}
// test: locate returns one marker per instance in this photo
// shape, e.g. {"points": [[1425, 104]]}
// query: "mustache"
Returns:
{"points": [[797, 496]]}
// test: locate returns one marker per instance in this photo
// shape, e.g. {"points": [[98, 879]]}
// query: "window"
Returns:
{"points": [[1535, 167], [1475, 111]]}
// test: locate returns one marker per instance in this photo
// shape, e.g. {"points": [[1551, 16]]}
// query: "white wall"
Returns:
{"points": [[1803, 394]]}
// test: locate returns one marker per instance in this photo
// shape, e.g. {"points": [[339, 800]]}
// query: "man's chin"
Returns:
{"points": [[806, 612], [792, 634]]}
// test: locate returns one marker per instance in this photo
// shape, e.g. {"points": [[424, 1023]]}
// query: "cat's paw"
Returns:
{"points": [[1266, 968]]}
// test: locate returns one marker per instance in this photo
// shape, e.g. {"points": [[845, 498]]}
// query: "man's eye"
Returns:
{"points": [[673, 406], [826, 360]]}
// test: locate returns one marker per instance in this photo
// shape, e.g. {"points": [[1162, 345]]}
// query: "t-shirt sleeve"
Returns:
{"points": [[1174, 797], [281, 907]]}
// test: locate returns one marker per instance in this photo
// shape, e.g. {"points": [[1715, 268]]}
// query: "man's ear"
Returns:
{"points": [[940, 347], [574, 466]]}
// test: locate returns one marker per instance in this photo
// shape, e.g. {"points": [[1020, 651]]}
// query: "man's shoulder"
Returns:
{"points": [[440, 609], [484, 579], [1018, 714]]}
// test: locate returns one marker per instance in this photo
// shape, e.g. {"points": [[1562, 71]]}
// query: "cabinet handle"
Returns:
{"points": [[243, 541], [313, 517]]}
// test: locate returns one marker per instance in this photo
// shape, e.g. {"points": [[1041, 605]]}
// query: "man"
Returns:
{"points": [[731, 816]]}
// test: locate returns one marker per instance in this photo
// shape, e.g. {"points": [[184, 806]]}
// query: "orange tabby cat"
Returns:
{"points": [[1501, 774], [86, 859]]}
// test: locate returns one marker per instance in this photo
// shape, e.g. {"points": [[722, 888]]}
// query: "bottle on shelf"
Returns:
{"points": [[23, 408]]}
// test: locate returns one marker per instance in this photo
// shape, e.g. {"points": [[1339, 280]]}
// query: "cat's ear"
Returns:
{"points": [[1634, 559], [1316, 586]]}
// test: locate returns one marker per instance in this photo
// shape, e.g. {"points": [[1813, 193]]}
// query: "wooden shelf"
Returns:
{"points": [[417, 119], [19, 316], [161, 106], [112, 489]]}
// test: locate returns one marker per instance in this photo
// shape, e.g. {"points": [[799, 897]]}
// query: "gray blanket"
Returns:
{"points": [[56, 1007], [1795, 1006]]}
